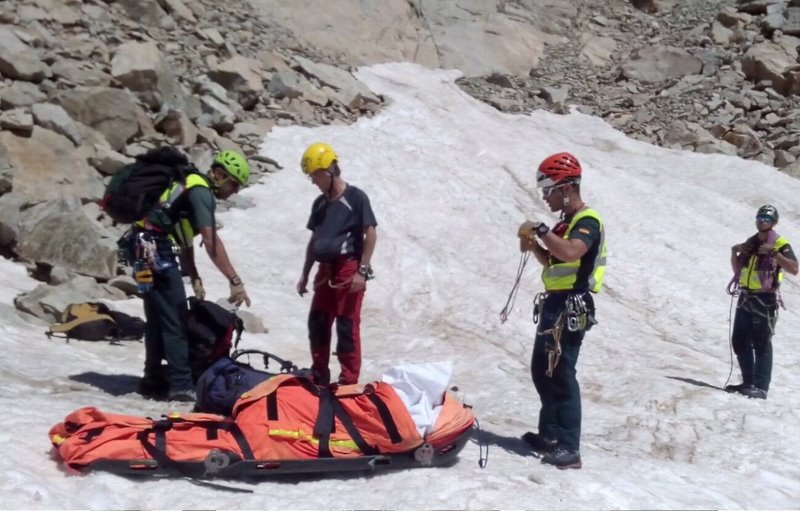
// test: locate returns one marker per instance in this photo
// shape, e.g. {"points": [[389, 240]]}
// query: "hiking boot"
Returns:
{"points": [[182, 396], [540, 444], [563, 458], [754, 393], [739, 387], [153, 388]]}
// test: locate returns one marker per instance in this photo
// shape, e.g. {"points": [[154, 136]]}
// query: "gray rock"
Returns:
{"points": [[47, 158], [142, 68], [659, 63], [49, 302], [20, 94], [112, 112], [55, 118], [59, 233], [18, 120]]}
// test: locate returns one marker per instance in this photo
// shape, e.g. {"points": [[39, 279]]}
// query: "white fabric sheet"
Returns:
{"points": [[422, 388]]}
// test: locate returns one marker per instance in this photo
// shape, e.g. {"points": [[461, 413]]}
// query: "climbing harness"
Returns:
{"points": [[752, 303], [139, 249], [577, 316]]}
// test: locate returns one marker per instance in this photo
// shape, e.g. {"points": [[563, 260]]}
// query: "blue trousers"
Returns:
{"points": [[559, 394]]}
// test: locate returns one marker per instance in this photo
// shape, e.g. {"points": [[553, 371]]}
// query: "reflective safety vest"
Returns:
{"points": [[559, 276], [182, 231], [749, 279]]}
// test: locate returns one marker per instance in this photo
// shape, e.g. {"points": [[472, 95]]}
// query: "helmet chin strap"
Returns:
{"points": [[333, 180]]}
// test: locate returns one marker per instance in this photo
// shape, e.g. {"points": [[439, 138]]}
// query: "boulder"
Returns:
{"points": [[59, 233]]}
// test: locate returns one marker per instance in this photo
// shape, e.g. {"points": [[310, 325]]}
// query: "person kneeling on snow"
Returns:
{"points": [[758, 266]]}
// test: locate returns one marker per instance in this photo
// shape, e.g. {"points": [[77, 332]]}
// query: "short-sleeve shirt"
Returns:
{"points": [[338, 225], [196, 206], [587, 229], [200, 208]]}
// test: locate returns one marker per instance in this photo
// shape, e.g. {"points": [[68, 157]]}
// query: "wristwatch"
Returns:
{"points": [[542, 229], [363, 270]]}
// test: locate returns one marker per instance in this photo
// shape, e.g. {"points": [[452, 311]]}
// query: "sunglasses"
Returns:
{"points": [[546, 192], [765, 218], [230, 179]]}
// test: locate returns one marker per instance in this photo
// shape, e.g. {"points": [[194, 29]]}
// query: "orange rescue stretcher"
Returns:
{"points": [[284, 425]]}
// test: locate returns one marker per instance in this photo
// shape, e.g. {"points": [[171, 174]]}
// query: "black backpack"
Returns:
{"points": [[135, 189], [210, 330]]}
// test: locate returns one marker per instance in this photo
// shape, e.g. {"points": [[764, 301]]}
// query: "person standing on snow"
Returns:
{"points": [[343, 238], [758, 266], [573, 254], [190, 212]]}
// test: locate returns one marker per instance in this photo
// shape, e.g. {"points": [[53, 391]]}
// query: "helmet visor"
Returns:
{"points": [[765, 219]]}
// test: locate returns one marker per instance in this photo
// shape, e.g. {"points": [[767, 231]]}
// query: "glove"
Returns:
{"points": [[199, 290], [527, 229], [527, 244], [238, 294]]}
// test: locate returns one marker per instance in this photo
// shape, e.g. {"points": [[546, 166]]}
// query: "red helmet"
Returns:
{"points": [[557, 168]]}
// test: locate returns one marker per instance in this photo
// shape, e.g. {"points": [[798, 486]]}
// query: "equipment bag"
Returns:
{"points": [[227, 379], [94, 321], [223, 383], [135, 190], [210, 330]]}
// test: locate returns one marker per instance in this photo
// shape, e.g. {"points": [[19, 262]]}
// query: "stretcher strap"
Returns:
{"points": [[386, 417], [158, 450], [329, 409], [272, 406]]}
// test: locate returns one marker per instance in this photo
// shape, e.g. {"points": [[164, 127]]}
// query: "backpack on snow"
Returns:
{"points": [[135, 189], [222, 384], [94, 321], [210, 330]]}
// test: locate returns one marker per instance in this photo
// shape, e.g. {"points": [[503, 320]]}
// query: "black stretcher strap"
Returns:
{"points": [[386, 417]]}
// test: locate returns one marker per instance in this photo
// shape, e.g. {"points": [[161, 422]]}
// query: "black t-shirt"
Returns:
{"points": [[587, 229], [338, 226]]}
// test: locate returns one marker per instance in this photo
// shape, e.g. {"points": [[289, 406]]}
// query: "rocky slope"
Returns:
{"points": [[711, 76], [87, 84]]}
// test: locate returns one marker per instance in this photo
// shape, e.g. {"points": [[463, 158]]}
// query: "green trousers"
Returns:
{"points": [[165, 310]]}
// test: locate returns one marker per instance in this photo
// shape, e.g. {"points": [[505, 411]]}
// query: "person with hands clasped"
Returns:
{"points": [[758, 265], [573, 254], [343, 238]]}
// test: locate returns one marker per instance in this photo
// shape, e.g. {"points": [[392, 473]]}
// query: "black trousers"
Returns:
{"points": [[753, 326]]}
